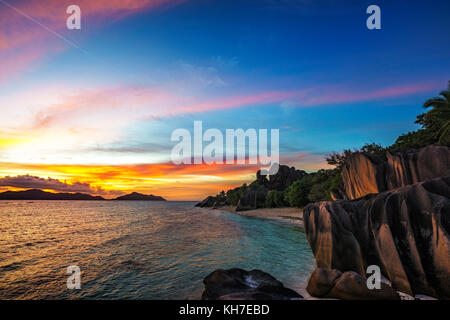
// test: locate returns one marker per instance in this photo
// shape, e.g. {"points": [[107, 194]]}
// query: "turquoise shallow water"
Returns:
{"points": [[138, 250]]}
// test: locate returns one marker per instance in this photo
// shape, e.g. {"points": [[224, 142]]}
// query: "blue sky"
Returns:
{"points": [[310, 68]]}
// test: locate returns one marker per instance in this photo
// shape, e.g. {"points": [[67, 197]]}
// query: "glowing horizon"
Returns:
{"points": [[96, 106]]}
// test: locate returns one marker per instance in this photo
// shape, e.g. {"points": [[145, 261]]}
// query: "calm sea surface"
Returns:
{"points": [[138, 249]]}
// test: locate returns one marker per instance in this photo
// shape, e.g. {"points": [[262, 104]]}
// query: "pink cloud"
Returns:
{"points": [[242, 100], [130, 103], [333, 95], [20, 63], [305, 161], [24, 42], [134, 102]]}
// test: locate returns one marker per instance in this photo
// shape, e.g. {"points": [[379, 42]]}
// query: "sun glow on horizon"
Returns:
{"points": [[96, 112]]}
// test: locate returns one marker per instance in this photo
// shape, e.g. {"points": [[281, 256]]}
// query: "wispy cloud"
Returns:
{"points": [[122, 103], [338, 94], [84, 119], [31, 30]]}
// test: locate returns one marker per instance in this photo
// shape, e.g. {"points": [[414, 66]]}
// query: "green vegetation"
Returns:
{"points": [[276, 199], [233, 195], [435, 129], [435, 125], [313, 187], [323, 183], [297, 193], [339, 159], [319, 186], [259, 194]]}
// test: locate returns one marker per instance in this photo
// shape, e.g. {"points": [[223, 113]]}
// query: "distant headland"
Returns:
{"points": [[36, 194], [139, 196]]}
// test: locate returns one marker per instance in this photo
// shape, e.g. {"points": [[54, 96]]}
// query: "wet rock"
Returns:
{"points": [[239, 284]]}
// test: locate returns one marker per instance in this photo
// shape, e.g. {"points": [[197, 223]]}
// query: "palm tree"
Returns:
{"points": [[437, 120]]}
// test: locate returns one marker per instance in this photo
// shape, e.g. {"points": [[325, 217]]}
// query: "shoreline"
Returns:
{"points": [[286, 214]]}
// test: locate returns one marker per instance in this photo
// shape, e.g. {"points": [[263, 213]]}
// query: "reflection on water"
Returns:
{"points": [[137, 250]]}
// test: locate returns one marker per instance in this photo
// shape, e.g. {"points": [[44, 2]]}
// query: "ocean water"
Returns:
{"points": [[138, 249]]}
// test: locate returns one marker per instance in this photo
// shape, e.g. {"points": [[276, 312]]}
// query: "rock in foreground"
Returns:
{"points": [[238, 284]]}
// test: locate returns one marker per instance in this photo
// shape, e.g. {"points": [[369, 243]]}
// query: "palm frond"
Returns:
{"points": [[446, 95], [434, 102]]}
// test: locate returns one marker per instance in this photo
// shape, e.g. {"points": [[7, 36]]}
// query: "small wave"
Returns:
{"points": [[132, 264], [30, 244], [11, 266], [117, 240]]}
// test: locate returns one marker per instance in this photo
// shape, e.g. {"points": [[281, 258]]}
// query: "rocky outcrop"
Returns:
{"points": [[411, 166], [365, 173], [252, 198], [331, 283], [238, 284], [404, 231], [282, 179], [211, 202]]}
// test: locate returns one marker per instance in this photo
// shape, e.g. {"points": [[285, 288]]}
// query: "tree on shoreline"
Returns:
{"points": [[435, 125]]}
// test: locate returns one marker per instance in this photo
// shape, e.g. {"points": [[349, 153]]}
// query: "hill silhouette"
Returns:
{"points": [[37, 194], [140, 196]]}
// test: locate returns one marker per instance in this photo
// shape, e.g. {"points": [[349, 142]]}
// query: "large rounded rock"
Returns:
{"points": [[322, 281], [238, 284], [326, 283], [406, 232], [365, 174], [352, 286], [409, 166]]}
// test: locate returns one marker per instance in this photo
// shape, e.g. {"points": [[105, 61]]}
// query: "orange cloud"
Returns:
{"points": [[175, 182], [33, 182]]}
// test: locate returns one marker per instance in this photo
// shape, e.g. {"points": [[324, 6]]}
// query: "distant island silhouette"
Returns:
{"points": [[140, 196], [37, 194]]}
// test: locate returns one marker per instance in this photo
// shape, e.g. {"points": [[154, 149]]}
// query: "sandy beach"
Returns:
{"points": [[291, 215]]}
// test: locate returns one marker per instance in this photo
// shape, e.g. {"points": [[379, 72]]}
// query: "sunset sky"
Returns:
{"points": [[92, 110]]}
